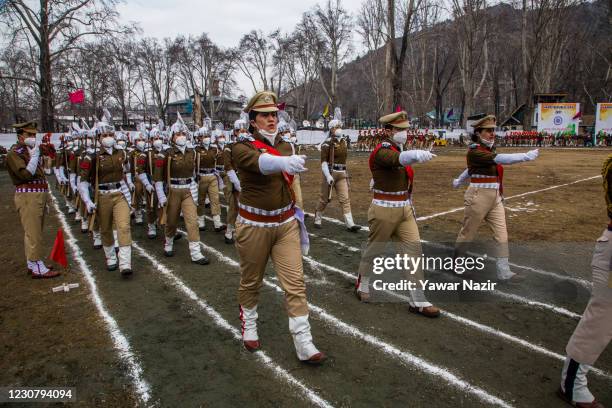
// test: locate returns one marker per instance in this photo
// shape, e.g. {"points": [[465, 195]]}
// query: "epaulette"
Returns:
{"points": [[386, 145], [246, 138]]}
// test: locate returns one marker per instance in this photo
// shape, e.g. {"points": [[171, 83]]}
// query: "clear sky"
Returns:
{"points": [[225, 21]]}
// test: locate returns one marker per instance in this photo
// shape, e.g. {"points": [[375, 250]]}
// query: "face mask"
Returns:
{"points": [[206, 141], [269, 135], [181, 140], [30, 141], [400, 137], [243, 134], [108, 141], [338, 132], [158, 144], [140, 145], [488, 143], [121, 144]]}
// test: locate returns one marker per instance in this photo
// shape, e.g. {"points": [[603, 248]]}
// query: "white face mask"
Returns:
{"points": [[243, 134], [181, 140], [121, 144], [221, 142], [158, 143], [140, 144], [338, 132], [206, 141], [30, 141], [269, 135], [108, 141], [400, 137]]}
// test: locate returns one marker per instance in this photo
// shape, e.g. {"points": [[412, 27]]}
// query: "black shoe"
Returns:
{"points": [[112, 267], [207, 205], [317, 226], [140, 223], [221, 228], [169, 253], [126, 272], [202, 261], [229, 241], [354, 228], [84, 231], [97, 246], [151, 236], [178, 236], [202, 228]]}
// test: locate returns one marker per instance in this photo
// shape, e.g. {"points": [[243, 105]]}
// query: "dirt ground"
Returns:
{"points": [[189, 360]]}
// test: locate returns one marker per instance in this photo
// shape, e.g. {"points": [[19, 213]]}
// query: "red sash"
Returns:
{"points": [[409, 170], [500, 170], [269, 149]]}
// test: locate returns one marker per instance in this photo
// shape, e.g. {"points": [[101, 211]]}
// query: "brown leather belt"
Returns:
{"points": [[390, 197], [484, 180], [267, 218]]}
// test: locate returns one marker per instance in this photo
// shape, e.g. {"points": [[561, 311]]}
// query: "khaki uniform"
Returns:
{"points": [[208, 184], [139, 194], [31, 195], [286, 147], [144, 164], [112, 205], [337, 169], [231, 197], [483, 201], [391, 217], [177, 169], [268, 199]]}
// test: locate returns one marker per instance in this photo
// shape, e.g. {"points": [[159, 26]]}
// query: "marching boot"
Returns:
{"points": [[218, 225], [574, 389], [169, 247], [201, 223], [196, 254], [350, 225], [229, 235], [111, 258], [77, 216], [299, 327], [248, 323], [151, 231], [317, 219], [84, 225], [71, 209], [97, 240], [418, 304], [138, 217], [504, 274], [116, 238], [362, 289], [125, 260]]}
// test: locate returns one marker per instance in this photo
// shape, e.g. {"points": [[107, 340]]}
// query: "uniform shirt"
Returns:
{"points": [[17, 160], [182, 165], [133, 154], [73, 158], [110, 166], [258, 190], [388, 174], [283, 145], [144, 160], [221, 155], [481, 160], [208, 157], [340, 151], [226, 158]]}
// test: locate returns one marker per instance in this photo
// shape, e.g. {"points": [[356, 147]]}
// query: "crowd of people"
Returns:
{"points": [[559, 139], [163, 174]]}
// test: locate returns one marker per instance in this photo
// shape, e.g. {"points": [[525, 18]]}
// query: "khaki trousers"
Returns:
{"points": [[483, 204], [281, 243], [180, 199], [208, 186], [594, 331], [114, 213], [395, 225], [297, 191], [342, 191], [31, 209], [231, 198], [139, 193]]}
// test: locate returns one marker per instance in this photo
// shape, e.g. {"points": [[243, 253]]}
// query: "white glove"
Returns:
{"points": [[130, 183], [511, 158], [371, 184], [73, 182], [84, 192], [269, 164], [461, 179], [39, 138], [161, 196], [411, 156], [34, 157], [326, 174], [234, 179], [145, 182]]}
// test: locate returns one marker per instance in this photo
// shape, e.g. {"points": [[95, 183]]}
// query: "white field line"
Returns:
{"points": [[280, 372], [120, 342], [405, 357], [516, 298], [460, 319]]}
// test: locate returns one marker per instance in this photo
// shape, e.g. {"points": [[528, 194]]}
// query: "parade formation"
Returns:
{"points": [[164, 176]]}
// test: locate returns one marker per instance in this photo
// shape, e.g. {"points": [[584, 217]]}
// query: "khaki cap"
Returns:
{"points": [[264, 101], [488, 122], [28, 127], [397, 119]]}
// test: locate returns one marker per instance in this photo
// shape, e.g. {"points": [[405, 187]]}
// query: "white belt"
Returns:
{"points": [[117, 190], [180, 186], [391, 204]]}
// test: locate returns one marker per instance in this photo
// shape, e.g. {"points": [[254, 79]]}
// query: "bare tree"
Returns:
{"points": [[370, 22], [255, 59]]}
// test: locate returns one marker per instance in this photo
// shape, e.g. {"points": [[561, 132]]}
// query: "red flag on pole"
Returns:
{"points": [[58, 253], [77, 96], [578, 115]]}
